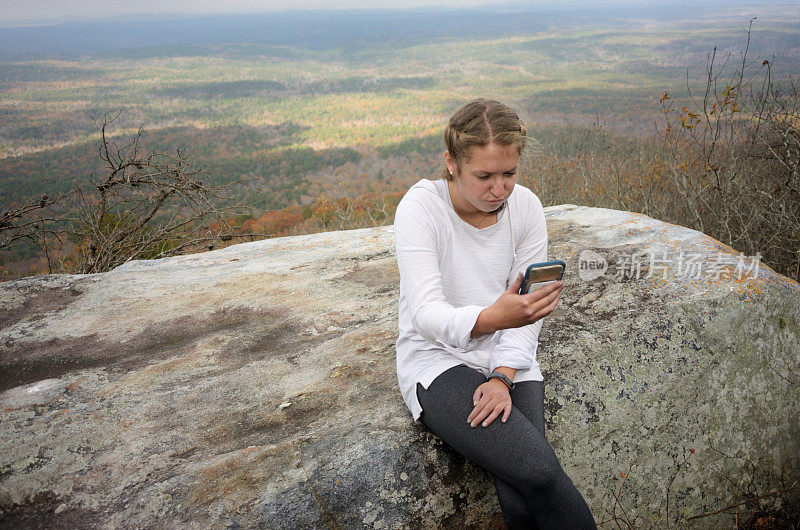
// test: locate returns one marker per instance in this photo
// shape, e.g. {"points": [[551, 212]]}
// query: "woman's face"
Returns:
{"points": [[486, 179]]}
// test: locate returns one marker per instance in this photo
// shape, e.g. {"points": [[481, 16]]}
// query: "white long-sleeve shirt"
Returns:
{"points": [[449, 272]]}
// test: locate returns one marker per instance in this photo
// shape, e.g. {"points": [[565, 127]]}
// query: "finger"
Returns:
{"points": [[545, 290], [546, 298], [515, 285], [473, 414], [554, 295], [476, 398], [555, 301], [547, 309], [506, 413], [485, 410], [494, 414]]}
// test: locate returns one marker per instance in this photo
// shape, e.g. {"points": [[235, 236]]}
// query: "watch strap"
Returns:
{"points": [[503, 377]]}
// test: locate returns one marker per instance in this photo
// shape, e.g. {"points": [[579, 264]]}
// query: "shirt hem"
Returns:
{"points": [[428, 376]]}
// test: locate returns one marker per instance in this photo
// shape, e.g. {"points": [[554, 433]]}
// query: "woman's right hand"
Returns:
{"points": [[513, 310]]}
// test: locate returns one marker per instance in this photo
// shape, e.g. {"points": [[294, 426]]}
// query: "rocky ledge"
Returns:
{"points": [[255, 386]]}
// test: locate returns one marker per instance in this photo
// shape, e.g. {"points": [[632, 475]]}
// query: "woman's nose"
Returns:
{"points": [[498, 188]]}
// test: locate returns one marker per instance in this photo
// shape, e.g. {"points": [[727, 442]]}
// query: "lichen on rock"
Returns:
{"points": [[255, 386]]}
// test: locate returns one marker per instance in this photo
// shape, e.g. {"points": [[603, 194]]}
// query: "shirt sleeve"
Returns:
{"points": [[421, 281], [517, 346]]}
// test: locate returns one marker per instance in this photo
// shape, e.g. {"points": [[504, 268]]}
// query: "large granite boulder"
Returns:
{"points": [[255, 386]]}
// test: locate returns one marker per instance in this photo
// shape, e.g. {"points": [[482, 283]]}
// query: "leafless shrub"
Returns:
{"points": [[145, 205], [28, 220], [733, 157]]}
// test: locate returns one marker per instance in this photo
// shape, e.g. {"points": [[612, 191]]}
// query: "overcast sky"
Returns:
{"points": [[75, 9], [27, 10]]}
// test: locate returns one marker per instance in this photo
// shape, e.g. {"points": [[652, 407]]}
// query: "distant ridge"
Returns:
{"points": [[308, 29]]}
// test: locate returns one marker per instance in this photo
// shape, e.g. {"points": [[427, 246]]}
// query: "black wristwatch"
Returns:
{"points": [[504, 378]]}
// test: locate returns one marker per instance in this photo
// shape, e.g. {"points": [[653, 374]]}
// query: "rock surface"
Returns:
{"points": [[254, 386]]}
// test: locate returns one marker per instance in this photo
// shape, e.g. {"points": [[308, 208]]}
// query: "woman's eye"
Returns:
{"points": [[510, 173], [483, 177]]}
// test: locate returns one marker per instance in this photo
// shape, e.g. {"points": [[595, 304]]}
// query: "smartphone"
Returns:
{"points": [[539, 274]]}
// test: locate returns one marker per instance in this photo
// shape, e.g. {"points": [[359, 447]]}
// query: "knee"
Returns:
{"points": [[541, 476]]}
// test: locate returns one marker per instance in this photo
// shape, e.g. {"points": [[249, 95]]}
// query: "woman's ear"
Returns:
{"points": [[451, 164]]}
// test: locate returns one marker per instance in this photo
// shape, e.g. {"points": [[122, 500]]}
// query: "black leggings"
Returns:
{"points": [[533, 490]]}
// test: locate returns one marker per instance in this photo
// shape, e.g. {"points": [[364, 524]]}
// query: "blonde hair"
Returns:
{"points": [[481, 122]]}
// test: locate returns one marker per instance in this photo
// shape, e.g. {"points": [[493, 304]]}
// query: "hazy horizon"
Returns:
{"points": [[48, 12]]}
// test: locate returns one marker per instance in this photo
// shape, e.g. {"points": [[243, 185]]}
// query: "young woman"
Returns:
{"points": [[466, 349]]}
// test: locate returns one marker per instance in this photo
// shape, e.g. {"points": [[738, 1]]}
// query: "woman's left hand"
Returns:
{"points": [[491, 398]]}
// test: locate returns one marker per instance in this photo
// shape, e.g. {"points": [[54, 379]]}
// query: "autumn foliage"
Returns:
{"points": [[275, 223]]}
